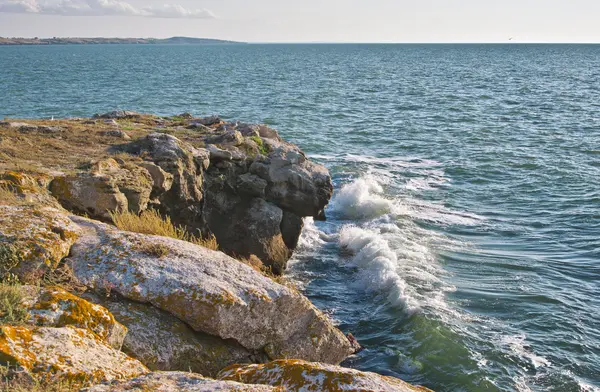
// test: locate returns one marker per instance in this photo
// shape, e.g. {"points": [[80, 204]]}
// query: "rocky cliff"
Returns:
{"points": [[85, 302]]}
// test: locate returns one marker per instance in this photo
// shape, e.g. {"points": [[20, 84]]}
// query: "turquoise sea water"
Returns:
{"points": [[463, 242]]}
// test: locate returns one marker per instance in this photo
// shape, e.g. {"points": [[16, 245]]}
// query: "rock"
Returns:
{"points": [[117, 114], [295, 183], [186, 115], [163, 342], [95, 195], [110, 186], [291, 227], [295, 375], [208, 290], [161, 180], [116, 133], [211, 120], [54, 307], [199, 127], [246, 226], [14, 124], [233, 138], [268, 133], [134, 181], [251, 185], [111, 122], [37, 238], [73, 354], [217, 154], [177, 382], [182, 202], [249, 130]]}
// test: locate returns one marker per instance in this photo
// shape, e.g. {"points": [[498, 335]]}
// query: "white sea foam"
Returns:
{"points": [[361, 199], [517, 346]]}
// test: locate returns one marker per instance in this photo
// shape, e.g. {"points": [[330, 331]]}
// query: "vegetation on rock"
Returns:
{"points": [[152, 222], [12, 309]]}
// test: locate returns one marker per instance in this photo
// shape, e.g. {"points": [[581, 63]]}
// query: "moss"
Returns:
{"points": [[264, 149], [9, 259]]}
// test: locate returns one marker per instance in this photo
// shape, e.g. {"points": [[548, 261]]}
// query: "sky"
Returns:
{"points": [[308, 20]]}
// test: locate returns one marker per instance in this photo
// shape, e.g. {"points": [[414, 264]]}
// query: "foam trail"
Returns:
{"points": [[361, 199]]}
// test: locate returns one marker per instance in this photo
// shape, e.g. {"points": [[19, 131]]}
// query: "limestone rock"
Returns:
{"points": [[295, 375], [71, 353], [268, 133], [161, 180], [117, 114], [233, 138], [96, 195], [54, 307], [163, 342], [41, 238], [177, 382], [217, 154], [295, 183], [117, 133], [185, 163], [208, 290], [211, 120]]}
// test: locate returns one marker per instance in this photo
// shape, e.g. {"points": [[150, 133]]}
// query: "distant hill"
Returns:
{"points": [[95, 41]]}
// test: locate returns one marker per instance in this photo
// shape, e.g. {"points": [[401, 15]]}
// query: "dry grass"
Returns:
{"points": [[12, 310], [8, 197], [151, 222], [155, 249], [18, 381]]}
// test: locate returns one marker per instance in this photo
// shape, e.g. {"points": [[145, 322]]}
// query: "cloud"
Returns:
{"points": [[101, 8]]}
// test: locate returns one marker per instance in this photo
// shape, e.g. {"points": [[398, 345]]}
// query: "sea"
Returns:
{"points": [[462, 245]]}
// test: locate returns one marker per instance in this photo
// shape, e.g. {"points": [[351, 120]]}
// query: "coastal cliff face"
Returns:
{"points": [[86, 302]]}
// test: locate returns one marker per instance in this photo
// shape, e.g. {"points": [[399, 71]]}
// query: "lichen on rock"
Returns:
{"points": [[55, 307], [41, 236], [70, 353], [163, 342], [178, 382], [210, 291], [301, 376]]}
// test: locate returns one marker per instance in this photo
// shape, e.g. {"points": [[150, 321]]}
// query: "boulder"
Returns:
{"points": [[182, 202], [95, 195], [295, 183], [163, 342], [117, 114], [110, 185], [233, 138], [54, 307], [34, 240], [161, 180], [72, 354], [217, 154], [208, 290], [177, 382], [116, 133], [295, 375], [211, 120]]}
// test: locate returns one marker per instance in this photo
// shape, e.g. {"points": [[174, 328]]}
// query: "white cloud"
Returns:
{"points": [[101, 8]]}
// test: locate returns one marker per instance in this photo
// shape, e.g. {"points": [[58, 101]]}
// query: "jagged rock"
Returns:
{"points": [[268, 133], [251, 185], [161, 180], [118, 114], [163, 342], [249, 130], [54, 307], [291, 228], [233, 138], [246, 226], [29, 188], [217, 154], [117, 133], [39, 238], [186, 115], [134, 181], [208, 290], [177, 382], [295, 183], [95, 195], [295, 375], [70, 353], [182, 202], [109, 186], [211, 120]]}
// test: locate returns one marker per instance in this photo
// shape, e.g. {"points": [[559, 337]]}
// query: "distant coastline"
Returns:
{"points": [[96, 41]]}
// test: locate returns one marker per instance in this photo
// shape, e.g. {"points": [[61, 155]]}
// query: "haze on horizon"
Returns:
{"points": [[308, 20]]}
